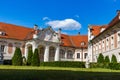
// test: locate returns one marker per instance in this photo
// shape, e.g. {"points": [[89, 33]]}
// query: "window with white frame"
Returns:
{"points": [[62, 53], [107, 42], [78, 55], [69, 54], [99, 45], [85, 55], [103, 45], [2, 47], [112, 42]]}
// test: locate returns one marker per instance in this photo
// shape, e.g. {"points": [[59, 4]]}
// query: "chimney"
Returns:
{"points": [[78, 33], [118, 12], [35, 27], [59, 32]]}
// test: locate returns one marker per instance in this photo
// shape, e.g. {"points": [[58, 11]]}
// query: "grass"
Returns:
{"points": [[56, 73]]}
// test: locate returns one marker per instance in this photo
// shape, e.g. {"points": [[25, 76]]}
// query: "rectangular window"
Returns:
{"points": [[85, 55], [2, 48], [78, 55]]}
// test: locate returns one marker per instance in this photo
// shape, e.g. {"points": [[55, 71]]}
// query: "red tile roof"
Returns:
{"points": [[66, 40], [14, 31], [74, 41], [78, 39], [97, 28], [23, 33], [114, 21]]}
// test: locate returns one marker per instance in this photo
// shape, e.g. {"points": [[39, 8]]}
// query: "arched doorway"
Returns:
{"points": [[29, 46], [41, 50], [51, 53]]}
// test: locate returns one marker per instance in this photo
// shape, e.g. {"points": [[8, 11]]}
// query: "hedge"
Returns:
{"points": [[75, 64]]}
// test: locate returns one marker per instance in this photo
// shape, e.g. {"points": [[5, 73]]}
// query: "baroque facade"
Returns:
{"points": [[55, 46], [104, 39], [52, 46]]}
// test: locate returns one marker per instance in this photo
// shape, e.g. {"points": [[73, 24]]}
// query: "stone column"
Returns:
{"points": [[34, 46], [65, 54], [57, 54], [26, 51], [46, 54]]}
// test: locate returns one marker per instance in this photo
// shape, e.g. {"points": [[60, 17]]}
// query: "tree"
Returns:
{"points": [[17, 58], [100, 58], [29, 57], [113, 60], [107, 60], [35, 58]]}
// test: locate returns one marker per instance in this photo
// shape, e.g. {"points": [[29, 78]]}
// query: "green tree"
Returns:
{"points": [[100, 58], [29, 57], [35, 58], [113, 60], [107, 60], [17, 58]]}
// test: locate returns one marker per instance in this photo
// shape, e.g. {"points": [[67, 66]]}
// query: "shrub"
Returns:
{"points": [[114, 66], [107, 60], [29, 57], [64, 64], [97, 65], [93, 65], [35, 58], [100, 58], [113, 60], [17, 58]]}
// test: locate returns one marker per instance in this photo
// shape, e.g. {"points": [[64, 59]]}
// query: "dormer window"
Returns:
{"points": [[82, 43], [2, 33]]}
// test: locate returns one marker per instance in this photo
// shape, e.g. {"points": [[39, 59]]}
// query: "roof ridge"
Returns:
{"points": [[14, 25]]}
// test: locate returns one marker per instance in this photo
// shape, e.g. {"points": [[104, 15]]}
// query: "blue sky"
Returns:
{"points": [[72, 16]]}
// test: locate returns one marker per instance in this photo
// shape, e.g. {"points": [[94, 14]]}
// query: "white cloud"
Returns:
{"points": [[66, 24], [46, 18]]}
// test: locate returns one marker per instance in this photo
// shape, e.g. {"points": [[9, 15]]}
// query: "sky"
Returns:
{"points": [[72, 16]]}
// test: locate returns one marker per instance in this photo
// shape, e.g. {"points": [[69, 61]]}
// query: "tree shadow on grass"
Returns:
{"points": [[15, 74]]}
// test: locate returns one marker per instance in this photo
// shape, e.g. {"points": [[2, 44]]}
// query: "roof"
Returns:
{"points": [[74, 41], [23, 33], [14, 31], [114, 21], [96, 29]]}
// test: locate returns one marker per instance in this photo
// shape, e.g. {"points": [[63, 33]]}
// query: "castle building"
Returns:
{"points": [[56, 46], [51, 45], [104, 39]]}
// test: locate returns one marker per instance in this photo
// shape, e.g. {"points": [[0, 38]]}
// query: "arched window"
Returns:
{"points": [[62, 53], [10, 48], [69, 54]]}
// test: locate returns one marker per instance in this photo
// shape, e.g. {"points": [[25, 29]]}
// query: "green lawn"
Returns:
{"points": [[56, 73]]}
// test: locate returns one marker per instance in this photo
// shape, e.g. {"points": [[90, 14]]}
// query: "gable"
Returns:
{"points": [[48, 34]]}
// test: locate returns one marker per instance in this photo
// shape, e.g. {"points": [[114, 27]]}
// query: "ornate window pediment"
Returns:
{"points": [[48, 34]]}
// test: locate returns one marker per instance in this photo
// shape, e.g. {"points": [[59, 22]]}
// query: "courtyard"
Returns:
{"points": [[56, 73]]}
